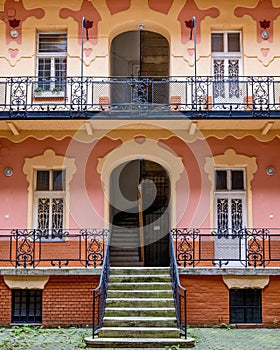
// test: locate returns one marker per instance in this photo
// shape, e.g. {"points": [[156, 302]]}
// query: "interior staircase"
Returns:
{"points": [[125, 243], [139, 311]]}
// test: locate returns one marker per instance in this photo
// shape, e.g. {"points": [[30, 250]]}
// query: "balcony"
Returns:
{"points": [[140, 97], [246, 249]]}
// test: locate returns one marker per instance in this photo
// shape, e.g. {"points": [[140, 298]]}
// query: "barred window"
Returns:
{"points": [[52, 61], [245, 305], [26, 306], [49, 198]]}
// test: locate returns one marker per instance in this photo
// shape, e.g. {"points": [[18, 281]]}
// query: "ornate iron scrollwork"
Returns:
{"points": [[255, 246], [25, 247], [95, 240], [185, 245]]}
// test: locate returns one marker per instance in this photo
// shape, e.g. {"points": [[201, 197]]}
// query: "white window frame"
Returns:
{"points": [[52, 56], [50, 194], [230, 194], [228, 247]]}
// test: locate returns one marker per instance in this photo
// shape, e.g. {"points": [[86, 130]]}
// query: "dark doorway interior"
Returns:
{"points": [[140, 214], [134, 56]]}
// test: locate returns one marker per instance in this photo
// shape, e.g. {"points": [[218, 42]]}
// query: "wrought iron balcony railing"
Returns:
{"points": [[128, 97], [247, 247], [203, 247], [72, 248]]}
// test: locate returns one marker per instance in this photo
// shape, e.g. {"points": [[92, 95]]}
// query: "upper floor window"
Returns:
{"points": [[226, 66], [49, 206], [225, 42], [51, 61]]}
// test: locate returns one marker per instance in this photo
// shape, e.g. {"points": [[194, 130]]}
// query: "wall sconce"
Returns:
{"points": [[270, 170], [87, 25], [8, 171], [13, 24], [264, 25]]}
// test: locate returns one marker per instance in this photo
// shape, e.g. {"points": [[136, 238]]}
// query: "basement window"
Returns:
{"points": [[26, 306], [245, 306]]}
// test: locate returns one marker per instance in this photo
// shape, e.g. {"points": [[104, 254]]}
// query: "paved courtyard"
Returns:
{"points": [[38, 338]]}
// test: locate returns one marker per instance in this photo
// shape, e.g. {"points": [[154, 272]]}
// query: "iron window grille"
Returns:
{"points": [[49, 202], [245, 306], [26, 306]]}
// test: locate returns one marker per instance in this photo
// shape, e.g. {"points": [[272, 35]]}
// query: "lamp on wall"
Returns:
{"points": [[265, 25], [270, 170], [14, 23], [8, 171]]}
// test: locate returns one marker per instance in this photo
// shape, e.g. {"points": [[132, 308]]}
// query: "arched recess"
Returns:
{"points": [[139, 53], [139, 215], [148, 149]]}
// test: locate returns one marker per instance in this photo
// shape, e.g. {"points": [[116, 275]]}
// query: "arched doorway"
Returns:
{"points": [[134, 56], [139, 214]]}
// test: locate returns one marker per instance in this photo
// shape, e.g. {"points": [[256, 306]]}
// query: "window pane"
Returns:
{"points": [[217, 42], [221, 180], [58, 180], [44, 72], [52, 43], [60, 72], [237, 180], [57, 215], [245, 306], [43, 180], [233, 42]]}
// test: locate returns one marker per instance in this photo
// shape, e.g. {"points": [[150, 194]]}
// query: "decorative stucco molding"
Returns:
{"points": [[48, 160], [246, 281], [26, 282], [231, 159], [147, 149]]}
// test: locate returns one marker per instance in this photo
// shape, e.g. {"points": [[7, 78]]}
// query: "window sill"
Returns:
{"points": [[49, 95]]}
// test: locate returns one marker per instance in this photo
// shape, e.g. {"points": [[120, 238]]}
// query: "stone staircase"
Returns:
{"points": [[139, 311]]}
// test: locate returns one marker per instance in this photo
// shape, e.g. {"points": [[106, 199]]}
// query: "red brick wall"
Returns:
{"points": [[207, 300], [271, 303], [5, 302], [67, 300]]}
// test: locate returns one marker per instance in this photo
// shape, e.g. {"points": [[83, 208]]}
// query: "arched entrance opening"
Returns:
{"points": [[139, 214], [136, 55]]}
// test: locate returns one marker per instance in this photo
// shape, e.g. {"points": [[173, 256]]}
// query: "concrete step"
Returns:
{"points": [[126, 263], [130, 294], [138, 343], [139, 332], [117, 258], [140, 302], [139, 286], [133, 321], [141, 278], [139, 312], [140, 271]]}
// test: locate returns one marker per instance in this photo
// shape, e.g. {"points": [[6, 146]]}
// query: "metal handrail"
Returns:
{"points": [[179, 292], [100, 292]]}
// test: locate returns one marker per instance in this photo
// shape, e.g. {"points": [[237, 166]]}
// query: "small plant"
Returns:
{"points": [[223, 324], [39, 89], [172, 347], [275, 323], [56, 89]]}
